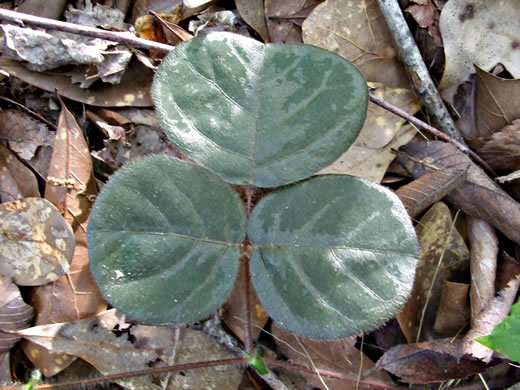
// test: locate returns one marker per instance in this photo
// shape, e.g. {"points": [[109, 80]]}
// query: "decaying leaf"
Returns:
{"points": [[434, 361], [282, 30], [478, 196], [428, 189], [143, 7], [444, 256], [483, 263], [112, 345], [502, 149], [23, 133], [495, 105], [508, 268], [16, 180], [453, 312], [494, 313], [97, 16], [426, 15], [235, 310], [75, 295], [36, 243], [15, 313], [357, 31], [133, 90], [253, 13], [371, 153], [338, 355], [495, 38]]}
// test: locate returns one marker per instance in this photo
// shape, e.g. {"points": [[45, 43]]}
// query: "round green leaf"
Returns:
{"points": [[163, 241], [266, 115], [333, 257]]}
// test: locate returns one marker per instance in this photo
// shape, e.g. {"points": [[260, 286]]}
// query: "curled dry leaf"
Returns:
{"points": [[495, 38], [428, 189], [502, 149], [453, 312], [495, 103], [16, 180], [508, 268], [36, 243], [337, 355], [71, 188], [444, 256], [15, 313], [494, 313], [483, 242], [478, 196], [434, 361]]}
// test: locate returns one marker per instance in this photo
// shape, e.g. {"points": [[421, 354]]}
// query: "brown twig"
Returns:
{"points": [[330, 374], [120, 37], [419, 75], [432, 130]]}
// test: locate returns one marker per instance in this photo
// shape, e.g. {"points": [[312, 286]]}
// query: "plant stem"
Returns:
{"points": [[414, 63], [247, 277], [150, 371], [432, 130], [330, 374]]}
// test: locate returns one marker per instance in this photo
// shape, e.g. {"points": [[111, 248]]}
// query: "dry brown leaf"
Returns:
{"points": [[71, 188], [112, 345], [478, 196], [23, 133], [338, 355], [234, 314], [143, 7], [427, 16], [282, 30], [495, 312], [508, 268], [495, 103], [371, 153], [420, 194], [16, 180], [15, 313], [434, 361], [253, 13], [444, 256], [453, 312], [502, 149], [483, 243], [36, 243], [134, 89], [357, 31], [478, 32], [43, 8]]}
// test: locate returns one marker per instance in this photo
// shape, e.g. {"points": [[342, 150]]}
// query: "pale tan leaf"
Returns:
{"points": [[495, 312], [478, 32], [483, 243], [253, 13], [16, 180], [36, 243]]}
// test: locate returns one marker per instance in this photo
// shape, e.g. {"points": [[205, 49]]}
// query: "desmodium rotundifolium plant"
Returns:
{"points": [[329, 256]]}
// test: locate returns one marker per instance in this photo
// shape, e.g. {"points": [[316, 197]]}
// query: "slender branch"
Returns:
{"points": [[432, 130], [150, 371], [120, 37], [330, 374], [419, 75]]}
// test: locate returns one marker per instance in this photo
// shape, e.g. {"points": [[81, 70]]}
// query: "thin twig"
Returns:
{"points": [[120, 37], [150, 371], [432, 130], [330, 374], [419, 75]]}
